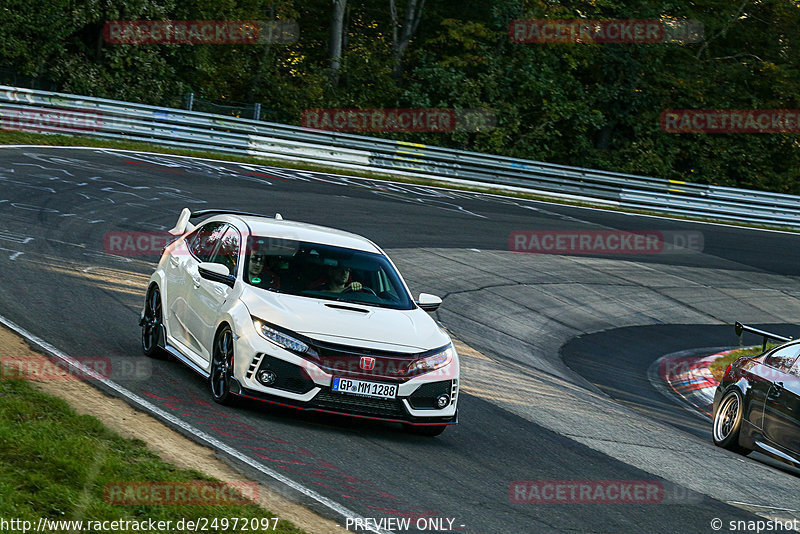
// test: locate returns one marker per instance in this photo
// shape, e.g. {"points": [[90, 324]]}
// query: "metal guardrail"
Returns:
{"points": [[111, 119]]}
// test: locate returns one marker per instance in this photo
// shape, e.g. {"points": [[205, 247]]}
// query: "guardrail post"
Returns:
{"points": [[189, 101], [257, 111]]}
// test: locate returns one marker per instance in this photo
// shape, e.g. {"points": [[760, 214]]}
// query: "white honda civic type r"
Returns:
{"points": [[302, 316]]}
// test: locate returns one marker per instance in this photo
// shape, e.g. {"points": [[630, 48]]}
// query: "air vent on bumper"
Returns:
{"points": [[280, 374], [432, 396]]}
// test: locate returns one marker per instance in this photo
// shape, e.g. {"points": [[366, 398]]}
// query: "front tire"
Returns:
{"points": [[222, 368], [152, 325], [728, 422]]}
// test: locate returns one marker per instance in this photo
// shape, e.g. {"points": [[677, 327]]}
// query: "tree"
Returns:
{"points": [[337, 36], [402, 33]]}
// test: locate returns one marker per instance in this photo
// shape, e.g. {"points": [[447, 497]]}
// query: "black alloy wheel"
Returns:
{"points": [[152, 322], [222, 367]]}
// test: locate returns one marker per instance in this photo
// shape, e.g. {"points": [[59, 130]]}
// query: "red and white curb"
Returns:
{"points": [[685, 376]]}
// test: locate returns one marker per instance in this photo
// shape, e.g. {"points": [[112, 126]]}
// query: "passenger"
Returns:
{"points": [[262, 271]]}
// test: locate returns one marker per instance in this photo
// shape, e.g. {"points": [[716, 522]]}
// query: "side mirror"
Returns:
{"points": [[428, 302], [216, 272]]}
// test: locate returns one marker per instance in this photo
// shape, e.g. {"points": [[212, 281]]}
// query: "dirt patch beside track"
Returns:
{"points": [[171, 446]]}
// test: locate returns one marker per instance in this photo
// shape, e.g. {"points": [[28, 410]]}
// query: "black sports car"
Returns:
{"points": [[757, 403]]}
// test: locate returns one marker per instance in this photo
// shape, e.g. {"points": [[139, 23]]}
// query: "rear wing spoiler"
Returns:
{"points": [[183, 225], [763, 333], [203, 213]]}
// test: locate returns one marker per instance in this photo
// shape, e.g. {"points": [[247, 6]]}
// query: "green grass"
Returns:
{"points": [[720, 364], [56, 464], [23, 138]]}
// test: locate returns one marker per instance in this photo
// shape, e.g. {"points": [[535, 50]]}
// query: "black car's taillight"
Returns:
{"points": [[728, 373]]}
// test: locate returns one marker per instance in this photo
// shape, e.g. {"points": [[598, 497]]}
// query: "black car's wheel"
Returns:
{"points": [[728, 422], [222, 367], [152, 325], [427, 430]]}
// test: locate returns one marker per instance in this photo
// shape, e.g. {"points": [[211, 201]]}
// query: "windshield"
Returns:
{"points": [[324, 272]]}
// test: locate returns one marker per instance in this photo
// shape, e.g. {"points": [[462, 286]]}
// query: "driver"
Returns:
{"points": [[339, 281]]}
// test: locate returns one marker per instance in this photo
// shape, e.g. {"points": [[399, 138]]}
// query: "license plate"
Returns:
{"points": [[364, 388]]}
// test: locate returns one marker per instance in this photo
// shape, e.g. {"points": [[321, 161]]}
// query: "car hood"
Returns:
{"points": [[347, 324]]}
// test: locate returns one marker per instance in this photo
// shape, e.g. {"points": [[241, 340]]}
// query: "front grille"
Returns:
{"points": [[424, 398], [360, 405], [345, 360], [290, 377]]}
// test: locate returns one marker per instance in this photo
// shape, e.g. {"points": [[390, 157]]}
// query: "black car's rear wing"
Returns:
{"points": [[763, 333]]}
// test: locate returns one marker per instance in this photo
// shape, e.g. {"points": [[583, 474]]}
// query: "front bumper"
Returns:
{"points": [[302, 385], [329, 402]]}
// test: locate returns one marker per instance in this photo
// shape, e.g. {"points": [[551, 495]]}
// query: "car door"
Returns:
{"points": [[781, 402], [205, 298], [758, 375], [793, 407], [197, 247]]}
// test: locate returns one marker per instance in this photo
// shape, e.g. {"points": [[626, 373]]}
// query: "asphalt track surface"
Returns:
{"points": [[59, 283], [636, 348]]}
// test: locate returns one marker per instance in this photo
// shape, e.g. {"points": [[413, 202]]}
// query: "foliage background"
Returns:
{"points": [[591, 105]]}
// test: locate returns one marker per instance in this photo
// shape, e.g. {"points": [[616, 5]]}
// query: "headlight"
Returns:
{"points": [[279, 338], [431, 363]]}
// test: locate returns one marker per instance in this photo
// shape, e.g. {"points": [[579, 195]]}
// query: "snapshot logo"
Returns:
{"points": [[757, 526], [586, 492], [146, 32], [44, 120], [89, 368], [197, 492], [730, 121], [549, 31], [389, 120], [570, 242]]}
